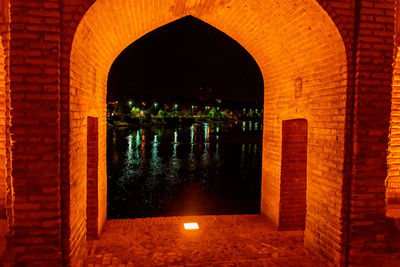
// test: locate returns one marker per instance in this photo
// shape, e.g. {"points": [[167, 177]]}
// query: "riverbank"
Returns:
{"points": [[136, 122]]}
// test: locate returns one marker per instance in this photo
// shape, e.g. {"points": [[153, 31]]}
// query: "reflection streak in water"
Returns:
{"points": [[191, 154], [154, 163]]}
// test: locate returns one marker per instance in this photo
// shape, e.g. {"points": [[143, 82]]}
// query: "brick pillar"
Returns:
{"points": [[367, 222], [393, 180], [292, 206], [35, 99], [4, 107], [5, 33]]}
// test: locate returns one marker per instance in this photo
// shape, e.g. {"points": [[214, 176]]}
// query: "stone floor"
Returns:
{"points": [[224, 240]]}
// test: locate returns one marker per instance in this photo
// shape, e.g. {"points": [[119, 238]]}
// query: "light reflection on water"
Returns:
{"points": [[203, 168]]}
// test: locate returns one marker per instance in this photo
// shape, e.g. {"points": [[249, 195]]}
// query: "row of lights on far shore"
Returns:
{"points": [[176, 107]]}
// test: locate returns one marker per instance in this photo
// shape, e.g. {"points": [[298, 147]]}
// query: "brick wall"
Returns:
{"points": [[5, 143], [393, 180], [375, 45], [309, 81], [292, 208], [74, 235], [35, 100]]}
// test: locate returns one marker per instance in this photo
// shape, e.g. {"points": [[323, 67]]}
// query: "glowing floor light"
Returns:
{"points": [[191, 226]]}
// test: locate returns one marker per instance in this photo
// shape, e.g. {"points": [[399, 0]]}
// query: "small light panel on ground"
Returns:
{"points": [[191, 226]]}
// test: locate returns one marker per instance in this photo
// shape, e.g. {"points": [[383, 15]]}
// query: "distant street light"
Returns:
{"points": [[155, 105], [130, 104], [176, 106]]}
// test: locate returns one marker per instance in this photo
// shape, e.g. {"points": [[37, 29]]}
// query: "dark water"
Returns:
{"points": [[202, 168]]}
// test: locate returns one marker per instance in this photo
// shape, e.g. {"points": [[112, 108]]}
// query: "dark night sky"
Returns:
{"points": [[173, 62]]}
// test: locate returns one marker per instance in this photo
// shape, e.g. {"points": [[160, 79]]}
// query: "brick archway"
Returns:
{"points": [[346, 222], [303, 60]]}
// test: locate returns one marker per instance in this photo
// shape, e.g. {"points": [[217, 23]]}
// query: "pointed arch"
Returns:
{"points": [[303, 61]]}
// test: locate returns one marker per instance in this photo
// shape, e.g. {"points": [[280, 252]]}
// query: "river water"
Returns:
{"points": [[193, 169]]}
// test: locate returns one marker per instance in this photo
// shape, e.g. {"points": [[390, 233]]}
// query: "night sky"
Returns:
{"points": [[185, 61]]}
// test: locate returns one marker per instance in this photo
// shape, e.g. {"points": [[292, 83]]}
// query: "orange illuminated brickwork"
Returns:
{"points": [[3, 165], [34, 75], [393, 180], [5, 182], [320, 62], [328, 62], [368, 228]]}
